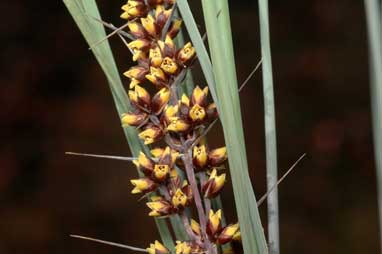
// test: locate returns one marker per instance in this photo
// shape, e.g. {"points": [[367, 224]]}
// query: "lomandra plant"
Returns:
{"points": [[166, 119]]}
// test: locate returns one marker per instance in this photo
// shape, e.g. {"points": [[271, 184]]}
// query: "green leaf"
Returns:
{"points": [[94, 32], [373, 18], [270, 129], [216, 15]]}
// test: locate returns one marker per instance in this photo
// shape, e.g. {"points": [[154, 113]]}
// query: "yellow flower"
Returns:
{"points": [[149, 25], [182, 248], [186, 53], [136, 72], [155, 56], [185, 100], [161, 172], [214, 222], [142, 185], [160, 100], [132, 9], [138, 47], [157, 248], [169, 66], [175, 27], [228, 233], [197, 113], [136, 29], [159, 207], [179, 199], [214, 185], [133, 83], [145, 162], [169, 112], [199, 96], [150, 135], [195, 227], [140, 96], [200, 156], [156, 76], [177, 125], [132, 119], [217, 156]]}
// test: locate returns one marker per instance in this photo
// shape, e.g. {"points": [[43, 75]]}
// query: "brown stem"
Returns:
{"points": [[189, 231], [187, 160], [207, 201]]}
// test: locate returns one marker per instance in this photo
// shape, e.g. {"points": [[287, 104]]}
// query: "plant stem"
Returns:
{"points": [[207, 201], [187, 160], [189, 229]]}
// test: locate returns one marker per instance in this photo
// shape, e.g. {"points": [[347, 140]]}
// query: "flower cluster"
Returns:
{"points": [[185, 171]]}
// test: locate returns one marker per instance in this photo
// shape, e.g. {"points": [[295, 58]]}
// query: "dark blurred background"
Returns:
{"points": [[54, 98]]}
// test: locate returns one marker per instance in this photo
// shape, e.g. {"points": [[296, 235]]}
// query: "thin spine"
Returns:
{"points": [[373, 18]]}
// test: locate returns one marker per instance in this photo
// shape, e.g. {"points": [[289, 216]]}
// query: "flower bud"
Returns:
{"points": [[169, 66], [132, 9], [143, 185], [161, 16], [136, 29], [197, 113], [169, 112], [140, 44], [133, 119], [155, 56], [160, 100], [214, 223], [136, 72], [133, 83], [185, 100], [157, 248], [156, 76], [145, 164], [159, 207], [183, 248], [214, 185], [140, 97], [199, 156], [217, 156], [151, 134], [199, 96], [211, 111], [186, 54], [174, 28], [160, 172], [149, 24], [178, 125], [167, 47], [228, 233], [179, 200], [157, 152], [195, 227]]}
